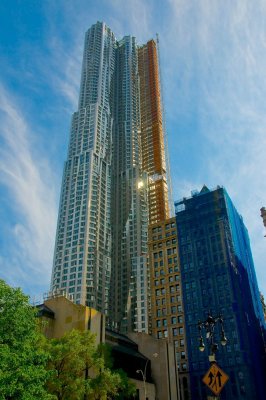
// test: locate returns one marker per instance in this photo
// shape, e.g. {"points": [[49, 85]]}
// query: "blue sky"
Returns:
{"points": [[213, 67]]}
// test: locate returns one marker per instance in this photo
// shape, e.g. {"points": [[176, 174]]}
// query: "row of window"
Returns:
{"points": [[163, 311], [169, 252], [173, 321], [158, 229], [170, 279], [168, 243], [162, 291], [175, 332]]}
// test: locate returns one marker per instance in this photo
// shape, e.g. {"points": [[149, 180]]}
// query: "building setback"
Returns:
{"points": [[218, 276], [115, 172]]}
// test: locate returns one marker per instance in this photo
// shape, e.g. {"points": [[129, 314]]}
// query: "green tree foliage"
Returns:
{"points": [[124, 389], [69, 357], [22, 357], [111, 385], [33, 367], [80, 370]]}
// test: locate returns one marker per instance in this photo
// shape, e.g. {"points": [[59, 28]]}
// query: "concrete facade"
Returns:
{"points": [[161, 354], [134, 352], [61, 315]]}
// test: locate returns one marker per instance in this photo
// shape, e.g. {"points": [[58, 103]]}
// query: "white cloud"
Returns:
{"points": [[133, 17], [218, 50], [29, 182], [64, 68]]}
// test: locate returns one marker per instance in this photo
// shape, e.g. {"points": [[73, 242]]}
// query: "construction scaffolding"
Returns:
{"points": [[152, 132]]}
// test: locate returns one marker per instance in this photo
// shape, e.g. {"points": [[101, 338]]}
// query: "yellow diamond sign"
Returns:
{"points": [[215, 379]]}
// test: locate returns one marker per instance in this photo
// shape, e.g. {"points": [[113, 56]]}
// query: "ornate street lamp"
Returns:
{"points": [[208, 326]]}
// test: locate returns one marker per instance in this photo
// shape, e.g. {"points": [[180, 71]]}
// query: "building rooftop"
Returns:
{"points": [[196, 193]]}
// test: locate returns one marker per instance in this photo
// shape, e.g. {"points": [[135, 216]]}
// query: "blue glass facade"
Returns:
{"points": [[218, 276]]}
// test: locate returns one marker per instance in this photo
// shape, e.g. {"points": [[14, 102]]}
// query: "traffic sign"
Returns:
{"points": [[215, 379]]}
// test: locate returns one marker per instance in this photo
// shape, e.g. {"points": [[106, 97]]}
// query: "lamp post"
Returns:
{"points": [[139, 371], [214, 378], [209, 326]]}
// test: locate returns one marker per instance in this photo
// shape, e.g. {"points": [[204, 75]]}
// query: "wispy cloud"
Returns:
{"points": [[64, 68], [213, 57], [27, 180], [133, 17], [219, 53]]}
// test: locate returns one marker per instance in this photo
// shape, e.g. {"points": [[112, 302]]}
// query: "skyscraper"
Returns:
{"points": [[218, 276], [152, 133], [114, 174]]}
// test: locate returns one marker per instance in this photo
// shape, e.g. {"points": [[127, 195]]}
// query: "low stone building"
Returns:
{"points": [[148, 362]]}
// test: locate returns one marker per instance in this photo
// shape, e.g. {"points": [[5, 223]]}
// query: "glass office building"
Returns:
{"points": [[218, 276]]}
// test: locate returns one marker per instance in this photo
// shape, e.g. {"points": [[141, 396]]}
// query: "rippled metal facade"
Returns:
{"points": [[108, 186]]}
